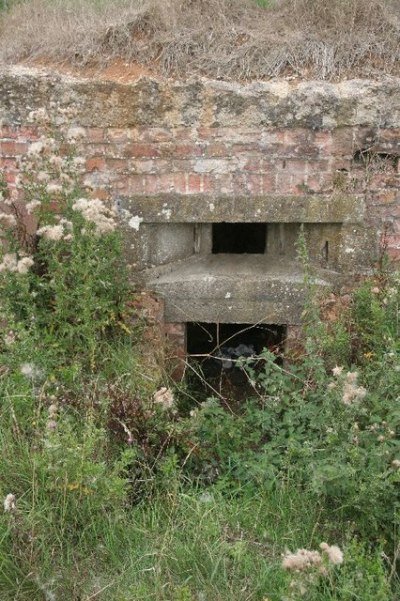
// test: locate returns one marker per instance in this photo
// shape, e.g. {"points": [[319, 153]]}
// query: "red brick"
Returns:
{"points": [[208, 183], [327, 182], [9, 176], [255, 183], [385, 196], [121, 186], [8, 163], [268, 183], [224, 183], [151, 184], [100, 193], [248, 148], [323, 165], [166, 183], [292, 166], [240, 184], [95, 164], [146, 166], [284, 183], [194, 183], [187, 150], [180, 183], [151, 135], [12, 148], [135, 184], [142, 151], [117, 165], [217, 149], [95, 134], [253, 164], [323, 141], [117, 136], [96, 149]]}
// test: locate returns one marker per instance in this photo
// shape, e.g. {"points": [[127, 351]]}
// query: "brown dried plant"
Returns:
{"points": [[227, 39]]}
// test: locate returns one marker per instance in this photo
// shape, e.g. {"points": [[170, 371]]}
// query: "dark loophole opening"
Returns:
{"points": [[239, 238], [368, 157], [218, 351]]}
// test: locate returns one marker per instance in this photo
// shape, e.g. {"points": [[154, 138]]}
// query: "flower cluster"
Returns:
{"points": [[7, 221], [9, 503], [308, 566], [351, 391], [11, 264], [304, 559], [164, 397], [52, 417], [31, 371], [96, 212]]}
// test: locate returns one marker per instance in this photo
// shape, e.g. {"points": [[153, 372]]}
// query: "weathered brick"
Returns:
{"points": [[13, 148], [117, 165], [187, 150], [149, 151], [151, 184], [95, 164], [268, 183], [166, 182], [194, 183], [180, 183], [136, 184], [95, 134], [216, 149], [117, 136]]}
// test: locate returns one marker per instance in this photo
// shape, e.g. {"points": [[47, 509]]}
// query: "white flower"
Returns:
{"points": [[31, 206], [75, 133], [333, 552], [9, 262], [164, 397], [39, 115], [9, 503], [352, 376], [53, 188], [56, 160], [96, 212], [337, 371], [51, 232], [301, 560], [24, 264], [29, 370], [36, 148], [42, 176], [7, 220], [9, 339]]}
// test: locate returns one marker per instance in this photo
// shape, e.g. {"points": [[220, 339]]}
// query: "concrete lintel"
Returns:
{"points": [[270, 208]]}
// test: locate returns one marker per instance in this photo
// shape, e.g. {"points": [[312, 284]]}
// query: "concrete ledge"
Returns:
{"points": [[232, 289], [270, 208]]}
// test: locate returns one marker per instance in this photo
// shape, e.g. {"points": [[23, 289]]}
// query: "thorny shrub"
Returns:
{"points": [[333, 428], [68, 364]]}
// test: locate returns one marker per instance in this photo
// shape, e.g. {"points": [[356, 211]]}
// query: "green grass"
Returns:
{"points": [[189, 546]]}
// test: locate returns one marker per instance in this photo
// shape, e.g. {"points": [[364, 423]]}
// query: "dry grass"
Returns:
{"points": [[325, 39]]}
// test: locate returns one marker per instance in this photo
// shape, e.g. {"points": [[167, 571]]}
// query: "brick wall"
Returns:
{"points": [[237, 161]]}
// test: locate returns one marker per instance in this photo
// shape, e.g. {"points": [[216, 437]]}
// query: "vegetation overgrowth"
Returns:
{"points": [[118, 486], [226, 39]]}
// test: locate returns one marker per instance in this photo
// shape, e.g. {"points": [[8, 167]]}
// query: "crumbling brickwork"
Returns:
{"points": [[179, 155]]}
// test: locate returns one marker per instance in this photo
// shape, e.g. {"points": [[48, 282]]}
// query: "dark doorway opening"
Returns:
{"points": [[218, 353], [239, 238]]}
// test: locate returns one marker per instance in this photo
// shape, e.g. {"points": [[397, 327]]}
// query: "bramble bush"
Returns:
{"points": [[335, 431]]}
